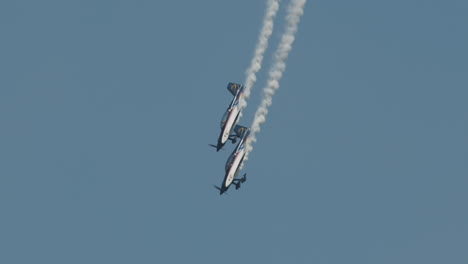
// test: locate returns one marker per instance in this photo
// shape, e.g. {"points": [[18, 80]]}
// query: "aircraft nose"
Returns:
{"points": [[219, 145]]}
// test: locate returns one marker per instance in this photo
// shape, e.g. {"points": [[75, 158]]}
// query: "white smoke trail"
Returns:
{"points": [[262, 45], [295, 11]]}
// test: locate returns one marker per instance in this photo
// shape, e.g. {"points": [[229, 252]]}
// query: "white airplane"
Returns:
{"points": [[235, 161], [230, 117]]}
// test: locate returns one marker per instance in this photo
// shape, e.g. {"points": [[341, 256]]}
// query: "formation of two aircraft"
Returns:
{"points": [[228, 126]]}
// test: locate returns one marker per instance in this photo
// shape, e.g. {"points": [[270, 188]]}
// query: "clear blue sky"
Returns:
{"points": [[107, 107]]}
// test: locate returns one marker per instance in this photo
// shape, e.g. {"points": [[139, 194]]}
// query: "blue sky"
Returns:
{"points": [[107, 107]]}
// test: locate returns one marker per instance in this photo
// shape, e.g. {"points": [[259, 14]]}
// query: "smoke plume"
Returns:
{"points": [[295, 11], [262, 45]]}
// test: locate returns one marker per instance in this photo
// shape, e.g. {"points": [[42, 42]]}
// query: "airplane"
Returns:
{"points": [[235, 161], [230, 117]]}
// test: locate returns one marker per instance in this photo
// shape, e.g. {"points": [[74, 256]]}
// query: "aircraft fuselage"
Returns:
{"points": [[226, 130], [232, 171], [234, 163]]}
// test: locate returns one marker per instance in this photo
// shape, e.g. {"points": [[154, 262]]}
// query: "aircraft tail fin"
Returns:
{"points": [[234, 88], [241, 131]]}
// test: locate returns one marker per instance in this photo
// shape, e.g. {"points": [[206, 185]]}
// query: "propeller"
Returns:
{"points": [[219, 189], [214, 146]]}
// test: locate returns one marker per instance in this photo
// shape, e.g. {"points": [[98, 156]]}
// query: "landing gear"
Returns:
{"points": [[233, 138], [244, 178], [237, 182]]}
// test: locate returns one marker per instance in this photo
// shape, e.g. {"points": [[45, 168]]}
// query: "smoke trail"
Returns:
{"points": [[262, 45], [295, 11]]}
